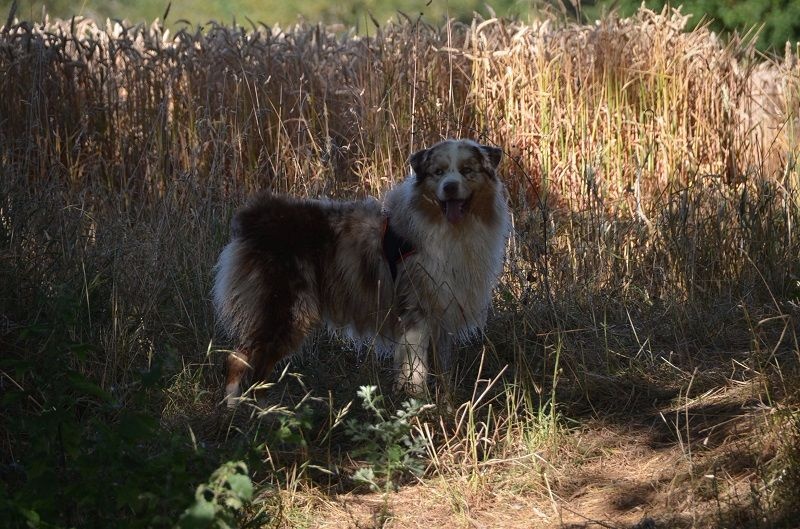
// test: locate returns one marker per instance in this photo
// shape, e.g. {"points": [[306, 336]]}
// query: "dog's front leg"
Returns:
{"points": [[411, 360], [443, 354]]}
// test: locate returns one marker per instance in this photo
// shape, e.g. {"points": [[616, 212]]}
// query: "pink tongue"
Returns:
{"points": [[453, 210]]}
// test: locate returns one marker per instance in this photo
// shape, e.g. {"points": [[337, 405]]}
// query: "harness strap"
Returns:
{"points": [[395, 248]]}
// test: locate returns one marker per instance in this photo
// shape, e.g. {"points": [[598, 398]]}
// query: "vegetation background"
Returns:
{"points": [[778, 21], [641, 367]]}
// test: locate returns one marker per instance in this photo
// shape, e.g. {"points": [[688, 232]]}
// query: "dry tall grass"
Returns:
{"points": [[652, 172]]}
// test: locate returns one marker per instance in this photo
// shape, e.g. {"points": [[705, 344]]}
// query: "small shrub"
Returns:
{"points": [[387, 443], [82, 455], [216, 502]]}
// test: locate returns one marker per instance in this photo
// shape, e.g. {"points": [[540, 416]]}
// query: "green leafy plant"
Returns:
{"points": [[217, 502], [293, 426], [387, 443], [84, 455]]}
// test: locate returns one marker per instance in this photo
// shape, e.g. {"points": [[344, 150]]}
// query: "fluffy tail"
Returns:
{"points": [[236, 291]]}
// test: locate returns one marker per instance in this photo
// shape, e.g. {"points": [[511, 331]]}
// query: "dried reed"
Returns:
{"points": [[652, 172]]}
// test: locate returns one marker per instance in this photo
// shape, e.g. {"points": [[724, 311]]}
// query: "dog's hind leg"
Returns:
{"points": [[259, 363], [237, 366], [281, 334], [442, 359]]}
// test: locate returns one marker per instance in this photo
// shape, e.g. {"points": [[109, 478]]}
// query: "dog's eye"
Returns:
{"points": [[439, 172], [466, 170]]}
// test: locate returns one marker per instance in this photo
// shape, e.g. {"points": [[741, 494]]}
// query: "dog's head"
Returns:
{"points": [[458, 176]]}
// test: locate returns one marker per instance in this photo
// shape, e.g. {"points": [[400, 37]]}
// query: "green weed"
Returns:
{"points": [[386, 442]]}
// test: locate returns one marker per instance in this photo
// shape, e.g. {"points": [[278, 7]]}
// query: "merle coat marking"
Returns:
{"points": [[295, 264]]}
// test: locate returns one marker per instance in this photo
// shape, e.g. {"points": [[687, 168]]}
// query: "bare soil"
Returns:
{"points": [[691, 466]]}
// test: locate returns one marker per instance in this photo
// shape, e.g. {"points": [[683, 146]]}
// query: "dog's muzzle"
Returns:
{"points": [[453, 202]]}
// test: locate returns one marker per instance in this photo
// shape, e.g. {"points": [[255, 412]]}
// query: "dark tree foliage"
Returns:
{"points": [[780, 18]]}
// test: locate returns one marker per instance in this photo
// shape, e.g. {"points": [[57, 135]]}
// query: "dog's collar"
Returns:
{"points": [[395, 248]]}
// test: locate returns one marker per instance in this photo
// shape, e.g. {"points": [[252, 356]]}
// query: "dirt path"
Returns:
{"points": [[693, 466]]}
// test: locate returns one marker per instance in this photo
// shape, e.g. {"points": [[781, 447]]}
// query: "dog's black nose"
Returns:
{"points": [[450, 189]]}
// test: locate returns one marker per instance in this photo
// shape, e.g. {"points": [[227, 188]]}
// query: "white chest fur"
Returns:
{"points": [[460, 270]]}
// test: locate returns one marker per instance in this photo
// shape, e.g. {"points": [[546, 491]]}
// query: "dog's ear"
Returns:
{"points": [[493, 154], [419, 162]]}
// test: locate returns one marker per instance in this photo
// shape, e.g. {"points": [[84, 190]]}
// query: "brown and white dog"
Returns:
{"points": [[412, 274]]}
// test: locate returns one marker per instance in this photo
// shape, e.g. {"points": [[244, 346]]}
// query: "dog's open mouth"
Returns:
{"points": [[454, 210]]}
